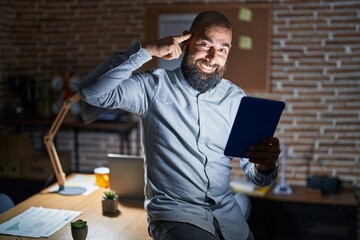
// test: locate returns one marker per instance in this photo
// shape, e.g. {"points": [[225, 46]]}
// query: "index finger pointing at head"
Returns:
{"points": [[183, 37]]}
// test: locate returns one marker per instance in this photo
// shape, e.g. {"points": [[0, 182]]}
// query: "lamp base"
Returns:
{"points": [[70, 191], [283, 189]]}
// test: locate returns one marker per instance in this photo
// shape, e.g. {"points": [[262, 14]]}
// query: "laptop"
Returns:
{"points": [[127, 176]]}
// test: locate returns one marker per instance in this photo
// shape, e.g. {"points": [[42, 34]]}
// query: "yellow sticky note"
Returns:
{"points": [[245, 14], [245, 42]]}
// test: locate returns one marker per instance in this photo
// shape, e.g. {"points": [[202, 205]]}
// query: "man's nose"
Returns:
{"points": [[211, 55]]}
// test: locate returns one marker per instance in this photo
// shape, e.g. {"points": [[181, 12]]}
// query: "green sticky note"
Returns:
{"points": [[245, 14], [245, 42]]}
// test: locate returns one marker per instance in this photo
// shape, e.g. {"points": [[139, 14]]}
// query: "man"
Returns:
{"points": [[186, 117]]}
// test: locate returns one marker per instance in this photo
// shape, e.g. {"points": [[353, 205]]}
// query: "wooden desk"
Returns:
{"points": [[303, 216], [300, 194], [130, 224]]}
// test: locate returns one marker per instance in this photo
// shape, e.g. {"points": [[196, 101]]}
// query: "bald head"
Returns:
{"points": [[210, 18]]}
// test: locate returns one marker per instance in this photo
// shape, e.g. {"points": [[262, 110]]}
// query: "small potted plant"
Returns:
{"points": [[110, 201], [79, 229]]}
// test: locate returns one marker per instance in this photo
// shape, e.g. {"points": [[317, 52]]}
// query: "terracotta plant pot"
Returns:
{"points": [[110, 205], [79, 234]]}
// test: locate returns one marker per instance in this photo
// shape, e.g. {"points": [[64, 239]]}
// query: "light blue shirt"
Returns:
{"points": [[184, 134]]}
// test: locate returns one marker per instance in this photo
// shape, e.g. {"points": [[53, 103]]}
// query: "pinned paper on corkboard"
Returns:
{"points": [[245, 14], [245, 42]]}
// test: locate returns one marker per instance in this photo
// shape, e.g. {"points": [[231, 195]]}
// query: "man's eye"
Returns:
{"points": [[205, 45], [223, 50]]}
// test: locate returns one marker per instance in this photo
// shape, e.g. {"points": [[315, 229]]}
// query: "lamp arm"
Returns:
{"points": [[48, 139]]}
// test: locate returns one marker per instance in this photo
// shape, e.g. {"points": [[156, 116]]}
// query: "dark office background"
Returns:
{"points": [[314, 63]]}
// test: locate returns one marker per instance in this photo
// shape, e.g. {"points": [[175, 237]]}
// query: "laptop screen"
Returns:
{"points": [[127, 176]]}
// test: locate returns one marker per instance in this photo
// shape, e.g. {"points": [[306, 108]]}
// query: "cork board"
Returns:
{"points": [[249, 60]]}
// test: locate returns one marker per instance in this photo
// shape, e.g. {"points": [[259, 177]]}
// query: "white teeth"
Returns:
{"points": [[206, 67]]}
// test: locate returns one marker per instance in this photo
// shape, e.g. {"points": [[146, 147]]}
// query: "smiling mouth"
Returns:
{"points": [[206, 67]]}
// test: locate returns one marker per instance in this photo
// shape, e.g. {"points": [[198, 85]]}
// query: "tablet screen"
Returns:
{"points": [[256, 119]]}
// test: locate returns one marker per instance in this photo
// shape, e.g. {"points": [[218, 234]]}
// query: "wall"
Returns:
{"points": [[315, 69]]}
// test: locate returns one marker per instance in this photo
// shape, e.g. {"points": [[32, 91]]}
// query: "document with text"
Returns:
{"points": [[38, 222]]}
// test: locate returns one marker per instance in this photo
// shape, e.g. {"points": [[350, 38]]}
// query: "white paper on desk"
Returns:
{"points": [[80, 180], [38, 222]]}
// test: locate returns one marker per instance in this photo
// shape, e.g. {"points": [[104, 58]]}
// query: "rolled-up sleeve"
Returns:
{"points": [[255, 175]]}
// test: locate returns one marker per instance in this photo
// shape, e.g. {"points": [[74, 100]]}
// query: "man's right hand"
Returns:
{"points": [[168, 48]]}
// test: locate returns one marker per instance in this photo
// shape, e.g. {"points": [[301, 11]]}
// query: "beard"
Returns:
{"points": [[196, 78]]}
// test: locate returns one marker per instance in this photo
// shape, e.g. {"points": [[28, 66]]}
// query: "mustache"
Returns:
{"points": [[206, 62]]}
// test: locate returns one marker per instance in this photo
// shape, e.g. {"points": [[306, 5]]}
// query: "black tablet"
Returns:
{"points": [[256, 119]]}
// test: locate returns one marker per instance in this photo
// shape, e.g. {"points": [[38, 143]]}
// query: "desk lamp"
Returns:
{"points": [[282, 187], [48, 140]]}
